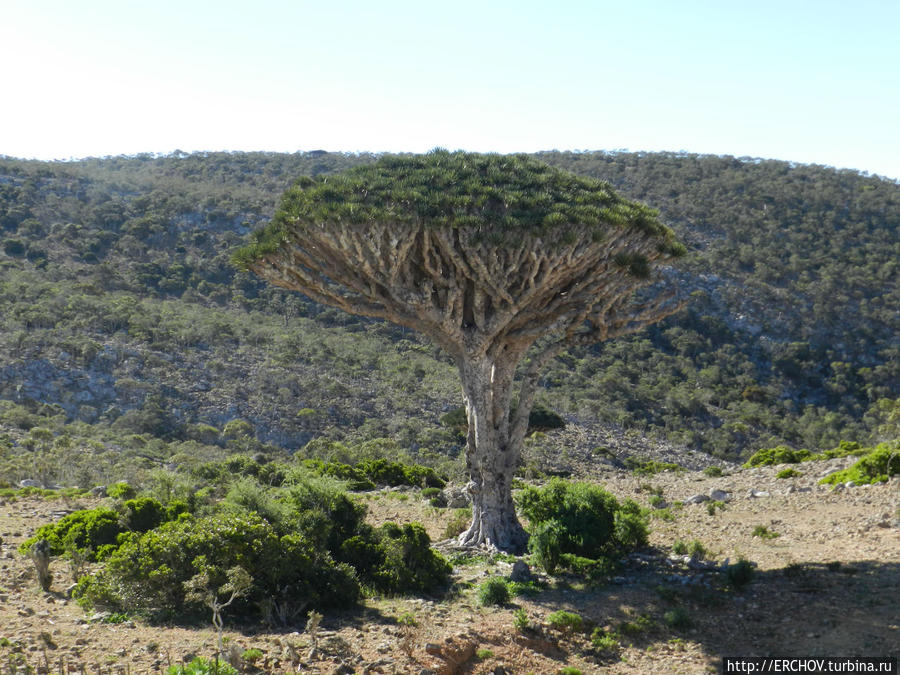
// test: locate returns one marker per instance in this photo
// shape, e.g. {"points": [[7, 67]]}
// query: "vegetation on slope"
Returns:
{"points": [[121, 310]]}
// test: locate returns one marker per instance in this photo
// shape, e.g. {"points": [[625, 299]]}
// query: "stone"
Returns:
{"points": [[520, 572], [29, 482], [456, 497], [719, 495], [697, 499], [432, 648], [755, 494]]}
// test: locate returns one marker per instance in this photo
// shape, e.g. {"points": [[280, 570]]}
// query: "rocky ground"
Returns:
{"points": [[827, 583]]}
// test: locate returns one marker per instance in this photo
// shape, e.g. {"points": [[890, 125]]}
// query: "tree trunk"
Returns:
{"points": [[491, 454]]}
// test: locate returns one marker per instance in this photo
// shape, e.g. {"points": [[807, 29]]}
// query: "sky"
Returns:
{"points": [[808, 81]]}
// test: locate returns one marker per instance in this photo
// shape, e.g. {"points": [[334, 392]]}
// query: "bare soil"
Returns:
{"points": [[827, 585]]}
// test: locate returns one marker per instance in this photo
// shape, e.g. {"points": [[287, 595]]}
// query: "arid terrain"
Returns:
{"points": [[827, 583]]}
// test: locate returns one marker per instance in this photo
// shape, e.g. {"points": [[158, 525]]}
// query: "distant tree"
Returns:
{"points": [[500, 260]]}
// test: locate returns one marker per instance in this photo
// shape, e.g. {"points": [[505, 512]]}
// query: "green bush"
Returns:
{"points": [[147, 572], [121, 490], [678, 618], [200, 666], [650, 467], [790, 472], [604, 642], [87, 531], [579, 519], [740, 574], [877, 466], [493, 591], [566, 622], [520, 620], [777, 455], [144, 513]]}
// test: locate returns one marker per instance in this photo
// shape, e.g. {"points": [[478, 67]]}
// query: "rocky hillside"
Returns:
{"points": [[121, 310]]}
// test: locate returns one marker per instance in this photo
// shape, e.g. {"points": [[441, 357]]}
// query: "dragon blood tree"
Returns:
{"points": [[503, 261]]}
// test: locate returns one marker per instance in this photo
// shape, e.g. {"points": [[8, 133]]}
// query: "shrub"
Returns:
{"points": [[144, 513], [777, 455], [603, 641], [86, 531], [200, 666], [877, 466], [650, 467], [493, 591], [678, 618], [740, 574], [147, 572], [580, 519], [764, 532], [395, 559], [790, 472], [713, 471], [566, 622], [121, 490], [520, 620]]}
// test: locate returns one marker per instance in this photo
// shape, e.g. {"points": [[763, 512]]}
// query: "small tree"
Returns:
{"points": [[201, 589], [500, 260]]}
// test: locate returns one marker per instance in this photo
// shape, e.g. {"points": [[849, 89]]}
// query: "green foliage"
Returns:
{"points": [[87, 531], [251, 655], [521, 622], [877, 466], [740, 573], [147, 573], [201, 666], [121, 490], [493, 591], [777, 455], [566, 622], [713, 471], [604, 642], [790, 472], [505, 196], [764, 532], [126, 281], [678, 618], [581, 520], [695, 549], [650, 467]]}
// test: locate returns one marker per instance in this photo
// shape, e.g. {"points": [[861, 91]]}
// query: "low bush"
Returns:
{"points": [[877, 466], [581, 520], [565, 622], [650, 467], [87, 531], [395, 559], [790, 472], [493, 591], [781, 454], [604, 642], [147, 573], [678, 618], [740, 574]]}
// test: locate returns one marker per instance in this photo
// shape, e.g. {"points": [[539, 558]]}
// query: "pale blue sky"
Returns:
{"points": [[811, 81]]}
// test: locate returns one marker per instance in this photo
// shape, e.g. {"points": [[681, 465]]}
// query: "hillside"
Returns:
{"points": [[123, 316]]}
